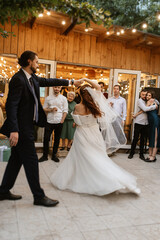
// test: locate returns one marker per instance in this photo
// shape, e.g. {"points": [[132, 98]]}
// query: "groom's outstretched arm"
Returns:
{"points": [[49, 82]]}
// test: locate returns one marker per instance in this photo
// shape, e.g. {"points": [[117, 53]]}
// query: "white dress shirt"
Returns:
{"points": [[142, 118], [58, 101], [119, 105]]}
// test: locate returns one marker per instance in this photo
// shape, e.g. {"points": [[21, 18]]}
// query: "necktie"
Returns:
{"points": [[35, 99]]}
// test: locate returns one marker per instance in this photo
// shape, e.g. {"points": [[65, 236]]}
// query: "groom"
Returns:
{"points": [[23, 110]]}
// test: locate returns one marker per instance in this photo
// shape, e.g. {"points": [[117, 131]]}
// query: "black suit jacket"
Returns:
{"points": [[20, 103]]}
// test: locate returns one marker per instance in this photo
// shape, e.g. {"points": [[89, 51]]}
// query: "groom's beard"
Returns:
{"points": [[33, 69]]}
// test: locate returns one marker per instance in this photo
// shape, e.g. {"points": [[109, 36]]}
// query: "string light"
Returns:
{"points": [[118, 33], [108, 33], [70, 73], [144, 25], [86, 29], [63, 22], [122, 31], [2, 58], [158, 16], [40, 15], [134, 30], [48, 13]]}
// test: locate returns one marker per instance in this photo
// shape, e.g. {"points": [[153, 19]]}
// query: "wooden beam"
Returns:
{"points": [[32, 22], [69, 27], [136, 42], [104, 35]]}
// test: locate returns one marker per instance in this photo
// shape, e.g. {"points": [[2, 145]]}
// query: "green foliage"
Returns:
{"points": [[20, 10], [130, 13]]}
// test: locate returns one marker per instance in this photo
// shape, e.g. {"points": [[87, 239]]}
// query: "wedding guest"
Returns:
{"points": [[24, 110], [118, 103], [154, 127], [102, 89], [56, 108], [141, 125], [69, 124]]}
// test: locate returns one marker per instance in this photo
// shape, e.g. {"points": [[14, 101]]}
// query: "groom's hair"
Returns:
{"points": [[23, 60]]}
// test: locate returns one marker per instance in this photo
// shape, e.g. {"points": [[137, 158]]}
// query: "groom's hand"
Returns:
{"points": [[14, 139]]}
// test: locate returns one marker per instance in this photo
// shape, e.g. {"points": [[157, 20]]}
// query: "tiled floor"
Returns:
{"points": [[84, 217]]}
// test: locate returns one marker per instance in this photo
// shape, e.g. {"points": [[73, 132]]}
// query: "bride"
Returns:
{"points": [[87, 167]]}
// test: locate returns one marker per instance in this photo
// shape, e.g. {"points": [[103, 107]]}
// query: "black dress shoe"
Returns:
{"points": [[149, 160], [142, 157], [55, 159], [130, 156], [9, 196], [43, 158], [46, 202]]}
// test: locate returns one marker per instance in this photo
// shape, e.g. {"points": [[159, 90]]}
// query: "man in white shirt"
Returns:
{"points": [[56, 108], [118, 103], [141, 125]]}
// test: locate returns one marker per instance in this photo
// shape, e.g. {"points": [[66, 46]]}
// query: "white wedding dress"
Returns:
{"points": [[87, 167]]}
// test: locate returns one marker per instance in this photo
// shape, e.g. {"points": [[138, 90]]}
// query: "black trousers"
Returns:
{"points": [[23, 154], [142, 131], [49, 128]]}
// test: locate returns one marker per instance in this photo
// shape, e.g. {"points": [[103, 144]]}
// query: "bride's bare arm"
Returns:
{"points": [[93, 84]]}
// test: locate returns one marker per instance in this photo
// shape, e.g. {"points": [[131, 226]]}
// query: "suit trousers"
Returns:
{"points": [[49, 128], [23, 154], [142, 131]]}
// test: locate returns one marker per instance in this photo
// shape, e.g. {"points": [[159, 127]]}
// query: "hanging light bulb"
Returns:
{"points": [[122, 31], [118, 33], [158, 16], [108, 33], [86, 29], [48, 13], [70, 73], [144, 25], [134, 30], [86, 74], [2, 58]]}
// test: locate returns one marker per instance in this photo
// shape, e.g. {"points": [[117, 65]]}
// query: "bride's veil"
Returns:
{"points": [[110, 123]]}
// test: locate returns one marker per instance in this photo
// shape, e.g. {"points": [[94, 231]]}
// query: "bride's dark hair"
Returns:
{"points": [[88, 101]]}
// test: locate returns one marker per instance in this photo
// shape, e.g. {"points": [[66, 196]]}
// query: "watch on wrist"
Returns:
{"points": [[72, 81]]}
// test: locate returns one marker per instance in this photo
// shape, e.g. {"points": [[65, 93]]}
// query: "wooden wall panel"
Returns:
{"points": [[34, 39], [52, 44], [81, 48], [87, 54], [7, 42], [1, 41], [21, 39], [28, 35], [14, 40], [78, 48]]}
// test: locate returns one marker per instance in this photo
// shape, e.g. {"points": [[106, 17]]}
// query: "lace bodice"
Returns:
{"points": [[84, 120]]}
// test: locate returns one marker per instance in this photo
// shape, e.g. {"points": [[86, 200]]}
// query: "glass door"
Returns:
{"points": [[130, 86], [47, 69]]}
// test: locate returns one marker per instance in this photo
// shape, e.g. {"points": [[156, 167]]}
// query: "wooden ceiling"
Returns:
{"points": [[137, 39]]}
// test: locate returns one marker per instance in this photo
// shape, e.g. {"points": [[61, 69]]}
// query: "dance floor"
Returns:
{"points": [[84, 217]]}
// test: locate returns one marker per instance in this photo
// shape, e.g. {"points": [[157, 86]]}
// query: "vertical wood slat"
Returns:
{"points": [[40, 42], [52, 44], [7, 41], [34, 39], [93, 47], [1, 41], [14, 40], [76, 48], [70, 46], [81, 48], [87, 54], [58, 45], [27, 44], [21, 39]]}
